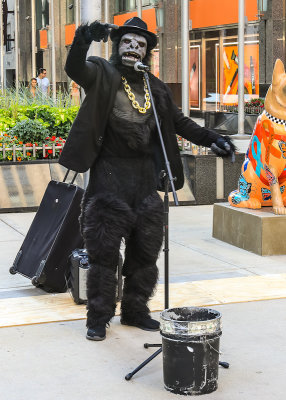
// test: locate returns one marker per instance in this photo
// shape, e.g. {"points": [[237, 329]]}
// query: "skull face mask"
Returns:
{"points": [[132, 48]]}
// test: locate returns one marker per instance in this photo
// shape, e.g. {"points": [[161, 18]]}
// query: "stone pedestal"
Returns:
{"points": [[259, 231]]}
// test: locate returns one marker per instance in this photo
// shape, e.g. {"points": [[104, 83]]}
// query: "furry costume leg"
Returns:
{"points": [[141, 254], [106, 220]]}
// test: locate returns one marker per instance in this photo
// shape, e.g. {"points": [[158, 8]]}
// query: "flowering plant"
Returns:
{"points": [[8, 142], [256, 103], [50, 148], [33, 128], [254, 106], [58, 142]]}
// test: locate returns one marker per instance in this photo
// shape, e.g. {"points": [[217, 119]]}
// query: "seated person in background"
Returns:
{"points": [[33, 87]]}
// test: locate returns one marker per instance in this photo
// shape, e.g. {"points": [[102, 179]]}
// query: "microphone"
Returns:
{"points": [[139, 66]]}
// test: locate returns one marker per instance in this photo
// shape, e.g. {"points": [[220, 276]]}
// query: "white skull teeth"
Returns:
{"points": [[131, 54]]}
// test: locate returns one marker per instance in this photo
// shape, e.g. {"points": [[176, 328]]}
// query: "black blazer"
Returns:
{"points": [[101, 80]]}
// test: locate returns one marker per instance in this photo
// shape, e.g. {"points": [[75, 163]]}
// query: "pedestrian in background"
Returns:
{"points": [[75, 93], [43, 82], [33, 87]]}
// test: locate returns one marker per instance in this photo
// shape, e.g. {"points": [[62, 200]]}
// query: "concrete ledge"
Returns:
{"points": [[208, 179], [259, 231], [211, 178], [23, 184]]}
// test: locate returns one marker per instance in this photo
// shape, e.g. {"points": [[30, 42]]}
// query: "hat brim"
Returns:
{"points": [[149, 36]]}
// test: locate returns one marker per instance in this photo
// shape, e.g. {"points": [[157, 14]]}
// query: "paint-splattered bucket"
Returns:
{"points": [[190, 345]]}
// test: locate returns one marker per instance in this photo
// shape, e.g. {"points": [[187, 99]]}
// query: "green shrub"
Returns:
{"points": [[6, 123], [29, 131], [62, 120], [56, 116], [57, 120]]}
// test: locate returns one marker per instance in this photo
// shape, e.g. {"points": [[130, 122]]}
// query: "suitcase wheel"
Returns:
{"points": [[35, 281], [12, 271]]}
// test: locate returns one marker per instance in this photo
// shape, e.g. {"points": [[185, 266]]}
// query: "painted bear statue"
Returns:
{"points": [[263, 174]]}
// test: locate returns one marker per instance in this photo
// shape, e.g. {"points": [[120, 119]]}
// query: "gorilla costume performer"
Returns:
{"points": [[115, 136]]}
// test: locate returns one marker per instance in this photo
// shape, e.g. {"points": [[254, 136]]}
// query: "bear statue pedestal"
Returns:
{"points": [[259, 231]]}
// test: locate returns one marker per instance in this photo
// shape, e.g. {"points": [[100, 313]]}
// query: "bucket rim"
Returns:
{"points": [[215, 312], [190, 328]]}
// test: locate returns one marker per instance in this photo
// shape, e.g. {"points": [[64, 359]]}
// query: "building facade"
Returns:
{"points": [[7, 50], [213, 34], [46, 30]]}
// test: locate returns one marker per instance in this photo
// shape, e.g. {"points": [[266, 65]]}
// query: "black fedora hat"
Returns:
{"points": [[135, 25]]}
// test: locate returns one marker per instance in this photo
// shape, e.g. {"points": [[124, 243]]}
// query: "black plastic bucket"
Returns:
{"points": [[190, 345]]}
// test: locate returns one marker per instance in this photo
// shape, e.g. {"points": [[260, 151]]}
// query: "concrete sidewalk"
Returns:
{"points": [[55, 361]]}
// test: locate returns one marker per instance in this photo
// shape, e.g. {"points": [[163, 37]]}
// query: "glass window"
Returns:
{"points": [[45, 12], [122, 5], [211, 46], [42, 13], [9, 38], [70, 11], [39, 14], [130, 5], [220, 67], [149, 2]]}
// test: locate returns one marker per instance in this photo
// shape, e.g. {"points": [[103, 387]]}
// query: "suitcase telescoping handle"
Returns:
{"points": [[73, 179]]}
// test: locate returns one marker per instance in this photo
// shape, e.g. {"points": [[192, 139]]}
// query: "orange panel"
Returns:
{"points": [[204, 13], [43, 39], [69, 34], [148, 16]]}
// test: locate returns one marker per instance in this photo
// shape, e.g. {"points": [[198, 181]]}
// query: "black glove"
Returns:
{"points": [[95, 31], [223, 147], [99, 31]]}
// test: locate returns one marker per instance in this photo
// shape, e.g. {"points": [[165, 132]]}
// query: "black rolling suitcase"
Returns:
{"points": [[79, 266], [53, 235]]}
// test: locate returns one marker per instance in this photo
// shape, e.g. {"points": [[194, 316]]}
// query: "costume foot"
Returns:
{"points": [[96, 333], [145, 323]]}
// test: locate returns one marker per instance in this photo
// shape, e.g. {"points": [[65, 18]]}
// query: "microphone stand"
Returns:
{"points": [[168, 181]]}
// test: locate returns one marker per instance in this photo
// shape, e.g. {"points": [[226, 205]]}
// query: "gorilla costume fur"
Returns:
{"points": [[114, 135]]}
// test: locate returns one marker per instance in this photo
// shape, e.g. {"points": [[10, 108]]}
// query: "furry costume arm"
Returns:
{"points": [[80, 70], [222, 146], [190, 130]]}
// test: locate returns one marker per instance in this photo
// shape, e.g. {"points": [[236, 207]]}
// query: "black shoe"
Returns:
{"points": [[96, 333], [145, 323]]}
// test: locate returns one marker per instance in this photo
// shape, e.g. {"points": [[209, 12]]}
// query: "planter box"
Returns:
{"points": [[24, 183], [210, 178], [227, 123]]}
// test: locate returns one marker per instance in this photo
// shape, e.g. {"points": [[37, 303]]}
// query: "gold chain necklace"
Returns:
{"points": [[131, 96]]}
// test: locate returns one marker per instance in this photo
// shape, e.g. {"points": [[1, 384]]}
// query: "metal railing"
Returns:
{"points": [[247, 110], [25, 149], [184, 145]]}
